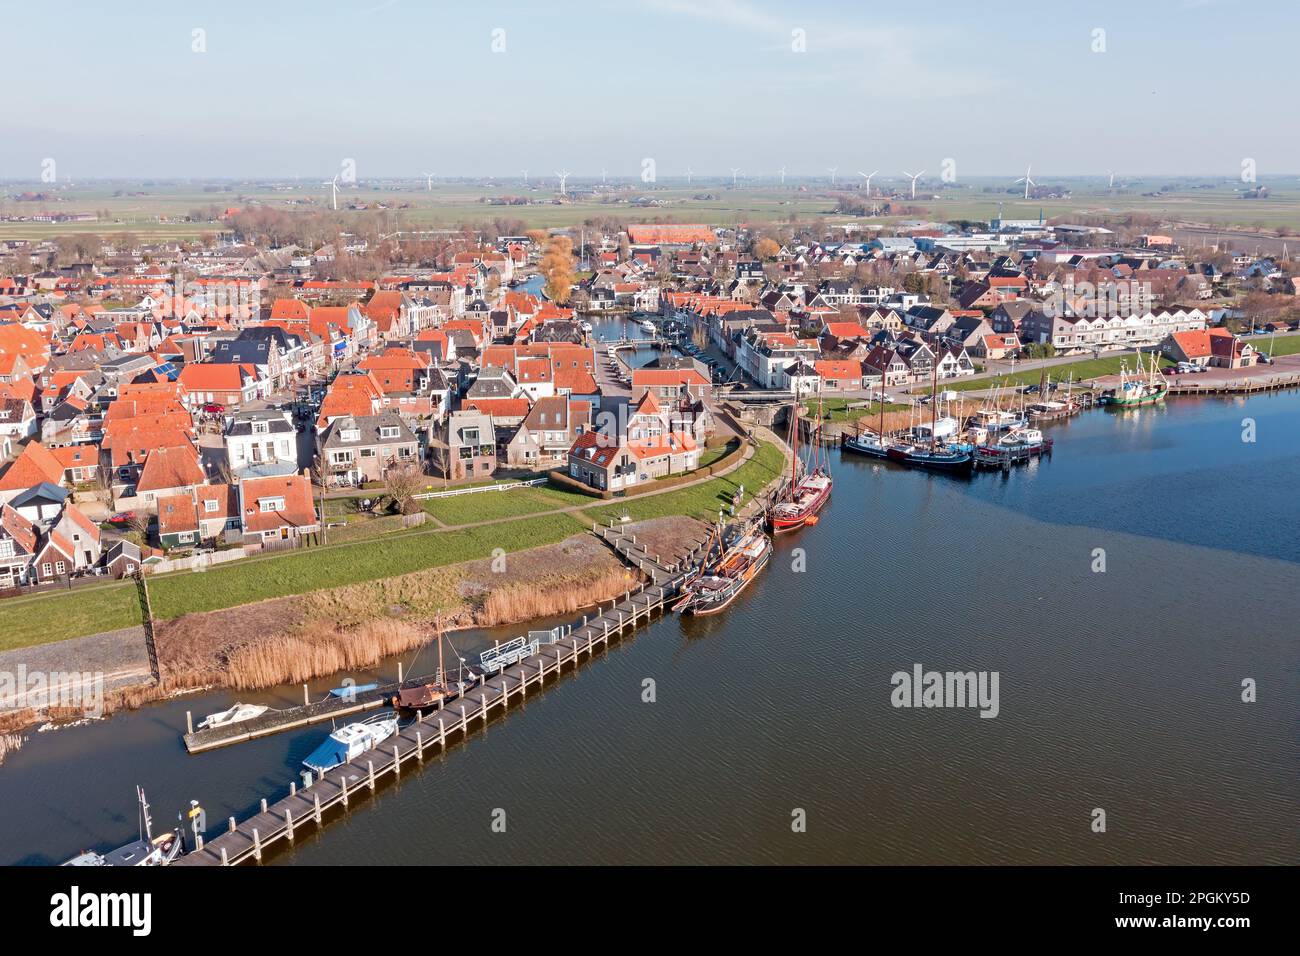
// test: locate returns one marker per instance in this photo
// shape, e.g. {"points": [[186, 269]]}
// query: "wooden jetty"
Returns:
{"points": [[429, 733], [1239, 386], [275, 721]]}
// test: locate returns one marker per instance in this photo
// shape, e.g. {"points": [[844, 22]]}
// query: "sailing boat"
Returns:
{"points": [[721, 581], [149, 850], [809, 491], [949, 456], [877, 445], [1143, 387], [428, 695]]}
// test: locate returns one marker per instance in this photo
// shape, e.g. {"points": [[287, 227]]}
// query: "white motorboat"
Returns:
{"points": [[350, 742], [234, 715]]}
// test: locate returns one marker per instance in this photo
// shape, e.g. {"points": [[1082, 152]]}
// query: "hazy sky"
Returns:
{"points": [[403, 87]]}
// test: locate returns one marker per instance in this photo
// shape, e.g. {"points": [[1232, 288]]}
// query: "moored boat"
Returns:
{"points": [[810, 486], [1019, 445], [233, 715], [956, 459], [1143, 387], [722, 581], [350, 742], [149, 850]]}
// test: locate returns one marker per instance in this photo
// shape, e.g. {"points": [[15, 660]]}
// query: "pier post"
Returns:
{"points": [[397, 758], [315, 799], [399, 672], [225, 861], [370, 773], [419, 746], [343, 779], [232, 825], [464, 720], [293, 787], [198, 841], [189, 722], [442, 735], [264, 804], [305, 699], [257, 845], [288, 822]]}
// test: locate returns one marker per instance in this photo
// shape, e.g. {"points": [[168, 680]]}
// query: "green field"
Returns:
{"points": [[56, 615], [138, 208]]}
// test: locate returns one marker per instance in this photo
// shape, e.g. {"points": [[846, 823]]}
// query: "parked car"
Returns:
{"points": [[122, 517], [212, 408]]}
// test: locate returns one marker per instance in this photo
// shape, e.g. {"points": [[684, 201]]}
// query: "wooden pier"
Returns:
{"points": [[1239, 386], [428, 734]]}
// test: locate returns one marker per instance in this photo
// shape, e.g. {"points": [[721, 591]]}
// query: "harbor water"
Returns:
{"points": [[1122, 589]]}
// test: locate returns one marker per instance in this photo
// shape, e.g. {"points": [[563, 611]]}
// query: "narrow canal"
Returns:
{"points": [[1118, 690]]}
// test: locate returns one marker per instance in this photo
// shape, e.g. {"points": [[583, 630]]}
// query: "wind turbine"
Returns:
{"points": [[1026, 180], [782, 175], [428, 181], [1112, 179], [867, 177], [832, 170], [525, 172], [689, 172], [564, 176], [914, 177], [602, 175], [734, 171], [334, 191]]}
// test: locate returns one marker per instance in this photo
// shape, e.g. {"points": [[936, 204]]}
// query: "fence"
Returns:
{"points": [[453, 492]]}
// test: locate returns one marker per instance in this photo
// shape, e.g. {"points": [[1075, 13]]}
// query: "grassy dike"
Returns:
{"points": [[43, 618]]}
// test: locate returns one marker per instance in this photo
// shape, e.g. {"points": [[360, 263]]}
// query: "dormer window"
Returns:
{"points": [[350, 434], [388, 431], [270, 504], [261, 428]]}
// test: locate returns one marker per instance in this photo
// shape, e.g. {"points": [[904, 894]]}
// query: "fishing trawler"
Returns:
{"points": [[350, 742], [149, 850], [1015, 446], [808, 491], [1143, 387], [722, 581]]}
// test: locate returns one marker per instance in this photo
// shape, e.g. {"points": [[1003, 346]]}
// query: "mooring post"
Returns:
{"points": [[293, 787], [257, 845], [198, 841], [399, 672], [315, 799], [419, 747], [225, 861], [343, 779], [264, 804], [189, 722], [305, 699], [288, 822], [397, 759], [464, 719], [442, 735], [232, 825]]}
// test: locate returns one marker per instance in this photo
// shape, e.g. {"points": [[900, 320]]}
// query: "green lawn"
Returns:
{"points": [[298, 572], [490, 505], [703, 500], [1286, 345], [718, 452], [50, 617], [848, 410], [57, 615], [1081, 370]]}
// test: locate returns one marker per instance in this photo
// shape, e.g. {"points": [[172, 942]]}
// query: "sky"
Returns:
{"points": [[291, 88]]}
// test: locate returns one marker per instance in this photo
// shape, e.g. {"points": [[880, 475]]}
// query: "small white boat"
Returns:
{"points": [[647, 326], [234, 715], [350, 742], [149, 850]]}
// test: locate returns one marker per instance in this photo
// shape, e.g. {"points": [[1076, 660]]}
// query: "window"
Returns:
{"points": [[47, 568], [388, 431], [210, 505], [270, 504]]}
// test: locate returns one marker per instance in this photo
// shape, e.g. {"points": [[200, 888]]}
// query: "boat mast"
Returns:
{"points": [[146, 824], [934, 405]]}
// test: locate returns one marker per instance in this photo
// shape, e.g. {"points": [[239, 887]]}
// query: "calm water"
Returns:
{"points": [[1118, 690]]}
